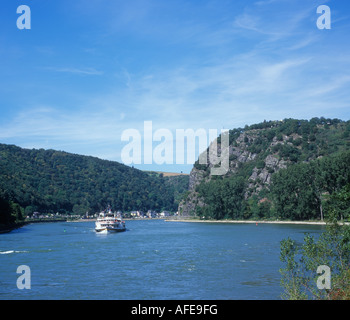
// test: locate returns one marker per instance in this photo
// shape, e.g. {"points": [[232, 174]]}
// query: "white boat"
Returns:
{"points": [[108, 222]]}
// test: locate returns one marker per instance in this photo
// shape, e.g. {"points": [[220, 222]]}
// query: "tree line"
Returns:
{"points": [[315, 178], [303, 191], [54, 181], [309, 190]]}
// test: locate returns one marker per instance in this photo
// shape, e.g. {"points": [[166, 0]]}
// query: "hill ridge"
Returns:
{"points": [[258, 151], [58, 181]]}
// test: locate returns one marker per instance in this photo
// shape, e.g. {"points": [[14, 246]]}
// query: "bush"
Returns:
{"points": [[299, 276]]}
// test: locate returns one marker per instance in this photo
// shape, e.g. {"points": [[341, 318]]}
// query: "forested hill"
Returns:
{"points": [[288, 169], [55, 181]]}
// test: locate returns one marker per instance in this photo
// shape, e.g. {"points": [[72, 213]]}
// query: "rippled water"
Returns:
{"points": [[153, 259]]}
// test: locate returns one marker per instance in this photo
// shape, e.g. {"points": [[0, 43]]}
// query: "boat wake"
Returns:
{"points": [[13, 251]]}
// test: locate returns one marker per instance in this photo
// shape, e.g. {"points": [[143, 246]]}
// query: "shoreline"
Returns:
{"points": [[317, 223], [10, 227]]}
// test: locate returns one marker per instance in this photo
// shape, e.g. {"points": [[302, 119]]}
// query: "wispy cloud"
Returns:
{"points": [[244, 89], [81, 71], [253, 23], [181, 65]]}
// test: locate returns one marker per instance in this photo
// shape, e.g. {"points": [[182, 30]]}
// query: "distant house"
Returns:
{"points": [[141, 214], [36, 215], [151, 214], [137, 214], [165, 214]]}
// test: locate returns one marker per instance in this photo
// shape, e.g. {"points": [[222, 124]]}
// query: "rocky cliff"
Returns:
{"points": [[256, 152]]}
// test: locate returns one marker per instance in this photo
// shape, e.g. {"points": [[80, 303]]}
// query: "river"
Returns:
{"points": [[153, 259]]}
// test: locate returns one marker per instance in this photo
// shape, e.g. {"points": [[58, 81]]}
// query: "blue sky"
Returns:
{"points": [[88, 70]]}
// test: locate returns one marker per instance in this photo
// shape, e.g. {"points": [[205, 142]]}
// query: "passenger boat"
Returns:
{"points": [[108, 222]]}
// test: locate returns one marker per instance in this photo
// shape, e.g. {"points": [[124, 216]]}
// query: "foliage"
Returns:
{"points": [[299, 275], [317, 156], [300, 191], [340, 200], [10, 212], [54, 181], [178, 186], [298, 140], [224, 198]]}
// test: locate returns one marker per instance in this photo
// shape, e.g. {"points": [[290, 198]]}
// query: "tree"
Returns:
{"points": [[223, 198], [294, 193], [5, 212], [300, 190], [341, 202], [10, 212], [300, 279]]}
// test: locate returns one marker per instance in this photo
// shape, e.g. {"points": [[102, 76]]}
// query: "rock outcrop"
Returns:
{"points": [[241, 154]]}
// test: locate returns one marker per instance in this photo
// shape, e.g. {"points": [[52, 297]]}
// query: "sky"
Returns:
{"points": [[87, 71]]}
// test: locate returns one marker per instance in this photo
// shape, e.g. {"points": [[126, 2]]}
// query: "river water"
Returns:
{"points": [[153, 259]]}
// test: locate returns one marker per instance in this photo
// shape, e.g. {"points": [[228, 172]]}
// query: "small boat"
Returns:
{"points": [[109, 222]]}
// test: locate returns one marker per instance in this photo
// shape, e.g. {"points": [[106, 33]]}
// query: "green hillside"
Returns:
{"points": [[288, 169], [55, 181]]}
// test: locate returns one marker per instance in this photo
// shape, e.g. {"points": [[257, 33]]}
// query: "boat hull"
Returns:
{"points": [[109, 230]]}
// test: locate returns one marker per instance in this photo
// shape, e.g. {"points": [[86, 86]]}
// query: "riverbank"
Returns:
{"points": [[40, 220], [125, 219], [257, 222], [10, 227], [5, 228], [169, 219]]}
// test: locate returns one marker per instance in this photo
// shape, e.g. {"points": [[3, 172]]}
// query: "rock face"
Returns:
{"points": [[254, 154], [241, 154], [263, 176], [188, 206]]}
